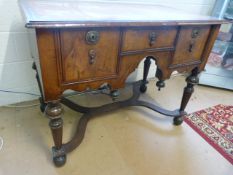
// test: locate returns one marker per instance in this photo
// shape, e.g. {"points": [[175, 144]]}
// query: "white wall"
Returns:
{"points": [[15, 57]]}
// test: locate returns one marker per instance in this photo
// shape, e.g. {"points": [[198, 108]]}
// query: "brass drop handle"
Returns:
{"points": [[152, 38], [191, 45], [195, 33], [92, 56]]}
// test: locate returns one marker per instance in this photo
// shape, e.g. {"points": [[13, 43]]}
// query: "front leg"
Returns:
{"points": [[146, 69], [54, 111], [188, 90]]}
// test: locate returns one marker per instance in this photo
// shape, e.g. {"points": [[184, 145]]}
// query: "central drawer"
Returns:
{"points": [[150, 38], [88, 55]]}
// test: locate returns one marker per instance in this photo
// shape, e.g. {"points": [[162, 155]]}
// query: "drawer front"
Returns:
{"points": [[89, 54], [190, 44], [140, 39]]}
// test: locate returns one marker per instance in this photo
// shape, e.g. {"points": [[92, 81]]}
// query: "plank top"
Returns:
{"points": [[46, 14]]}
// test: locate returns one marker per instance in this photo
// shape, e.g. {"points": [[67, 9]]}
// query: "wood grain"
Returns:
{"points": [[185, 40], [138, 38], [64, 56], [67, 61], [75, 55]]}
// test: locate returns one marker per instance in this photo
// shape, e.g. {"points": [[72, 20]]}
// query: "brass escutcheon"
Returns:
{"points": [[92, 37]]}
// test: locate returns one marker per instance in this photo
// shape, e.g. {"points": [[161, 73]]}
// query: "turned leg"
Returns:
{"points": [[41, 99], [54, 111], [159, 74], [147, 63], [188, 90]]}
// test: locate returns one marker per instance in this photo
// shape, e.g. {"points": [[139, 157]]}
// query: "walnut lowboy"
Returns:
{"points": [[81, 49]]}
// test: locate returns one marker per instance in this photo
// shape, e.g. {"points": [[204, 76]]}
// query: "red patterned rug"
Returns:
{"points": [[215, 125]]}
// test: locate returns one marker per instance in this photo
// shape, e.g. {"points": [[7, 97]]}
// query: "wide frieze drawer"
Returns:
{"points": [[89, 54], [141, 39]]}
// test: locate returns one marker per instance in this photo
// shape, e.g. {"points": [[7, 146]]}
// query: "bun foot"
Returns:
{"points": [[178, 120], [59, 161], [143, 88], [59, 157]]}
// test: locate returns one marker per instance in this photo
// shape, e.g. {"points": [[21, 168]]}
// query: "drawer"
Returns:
{"points": [[89, 54], [190, 44], [140, 39]]}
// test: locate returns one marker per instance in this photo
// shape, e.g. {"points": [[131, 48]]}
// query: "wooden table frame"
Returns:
{"points": [[82, 49]]}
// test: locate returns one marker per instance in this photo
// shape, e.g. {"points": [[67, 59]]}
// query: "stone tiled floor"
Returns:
{"points": [[130, 141]]}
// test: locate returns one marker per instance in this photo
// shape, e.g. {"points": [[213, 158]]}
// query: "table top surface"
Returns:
{"points": [[41, 13]]}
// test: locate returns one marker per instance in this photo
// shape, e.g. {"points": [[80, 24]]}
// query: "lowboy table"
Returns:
{"points": [[87, 46]]}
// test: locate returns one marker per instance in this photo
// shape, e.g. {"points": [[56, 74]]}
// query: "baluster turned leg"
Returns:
{"points": [[188, 90], [147, 63], [54, 111]]}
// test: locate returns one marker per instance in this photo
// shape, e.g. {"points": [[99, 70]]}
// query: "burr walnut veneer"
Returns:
{"points": [[87, 46]]}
